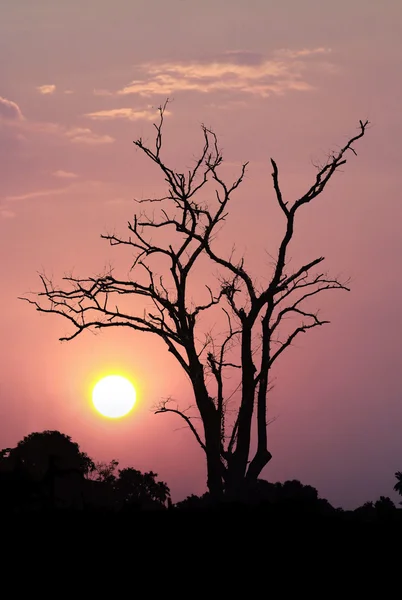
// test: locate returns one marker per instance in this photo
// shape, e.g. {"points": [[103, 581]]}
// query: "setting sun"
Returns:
{"points": [[114, 396]]}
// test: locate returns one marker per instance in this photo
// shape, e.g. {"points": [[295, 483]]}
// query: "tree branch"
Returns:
{"points": [[302, 329], [334, 162], [163, 409]]}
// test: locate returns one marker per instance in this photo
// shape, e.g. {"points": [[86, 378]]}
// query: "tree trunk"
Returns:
{"points": [[214, 464], [260, 460], [238, 462], [262, 455], [212, 432]]}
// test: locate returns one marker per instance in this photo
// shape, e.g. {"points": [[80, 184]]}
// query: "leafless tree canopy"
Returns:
{"points": [[250, 312]]}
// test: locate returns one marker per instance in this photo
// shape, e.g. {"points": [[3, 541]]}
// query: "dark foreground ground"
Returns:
{"points": [[233, 550], [254, 518]]}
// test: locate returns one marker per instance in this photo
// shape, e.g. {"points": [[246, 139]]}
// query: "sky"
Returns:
{"points": [[79, 81]]}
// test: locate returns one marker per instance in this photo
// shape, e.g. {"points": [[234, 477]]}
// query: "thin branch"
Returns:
{"points": [[303, 270], [333, 163], [302, 329], [278, 192], [164, 409], [294, 307], [214, 300]]}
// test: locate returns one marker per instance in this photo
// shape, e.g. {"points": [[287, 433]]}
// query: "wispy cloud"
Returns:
{"points": [[10, 202], [9, 110], [235, 71], [129, 114], [75, 190], [37, 194], [304, 52], [228, 105], [46, 89], [7, 214], [102, 92], [11, 114], [83, 135], [76, 135], [64, 174]]}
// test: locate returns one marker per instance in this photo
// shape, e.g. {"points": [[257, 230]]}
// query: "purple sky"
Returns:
{"points": [[78, 82]]}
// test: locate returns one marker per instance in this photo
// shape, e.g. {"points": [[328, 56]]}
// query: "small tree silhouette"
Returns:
{"points": [[257, 315], [140, 490], [37, 449], [385, 509], [398, 485], [105, 472], [46, 470]]}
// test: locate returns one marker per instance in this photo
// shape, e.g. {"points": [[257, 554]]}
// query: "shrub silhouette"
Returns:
{"points": [[47, 471]]}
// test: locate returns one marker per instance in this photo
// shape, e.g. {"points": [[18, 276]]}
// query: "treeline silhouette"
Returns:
{"points": [[47, 472]]}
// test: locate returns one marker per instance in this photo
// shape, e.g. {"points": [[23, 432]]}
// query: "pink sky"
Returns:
{"points": [[78, 82]]}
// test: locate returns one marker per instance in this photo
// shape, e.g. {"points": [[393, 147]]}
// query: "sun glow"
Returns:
{"points": [[114, 396]]}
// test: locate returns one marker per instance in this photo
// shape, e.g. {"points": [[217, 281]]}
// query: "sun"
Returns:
{"points": [[114, 396]]}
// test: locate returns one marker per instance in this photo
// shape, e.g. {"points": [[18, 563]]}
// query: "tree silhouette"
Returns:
{"points": [[38, 449], [140, 490], [194, 502], [46, 470], [169, 244], [384, 504], [294, 490], [105, 472], [398, 485], [385, 509], [366, 512]]}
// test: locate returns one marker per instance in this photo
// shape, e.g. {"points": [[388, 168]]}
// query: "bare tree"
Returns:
{"points": [[255, 315]]}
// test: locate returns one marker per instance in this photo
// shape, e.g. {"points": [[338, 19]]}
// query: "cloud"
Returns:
{"points": [[64, 174], [228, 105], [124, 113], [7, 214], [73, 188], [46, 89], [102, 92], [9, 110], [76, 135], [80, 135], [303, 52], [242, 57], [37, 194], [234, 71], [10, 202], [12, 117]]}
